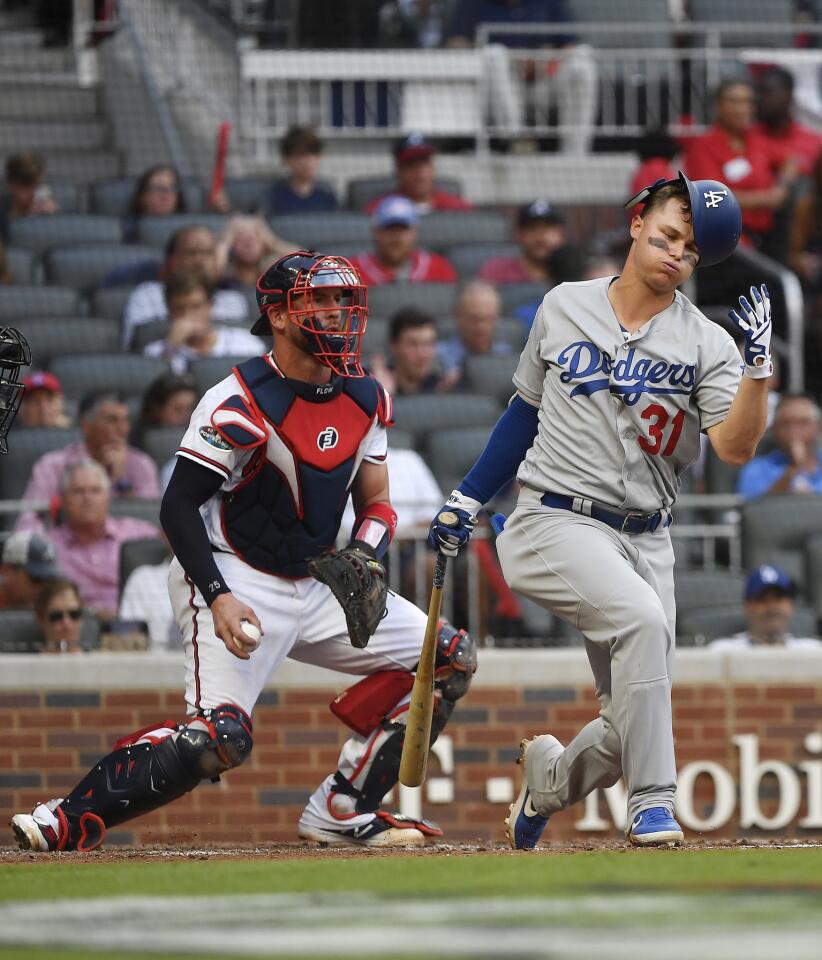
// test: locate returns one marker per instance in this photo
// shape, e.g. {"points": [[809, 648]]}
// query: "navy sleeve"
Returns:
{"points": [[510, 440], [191, 485]]}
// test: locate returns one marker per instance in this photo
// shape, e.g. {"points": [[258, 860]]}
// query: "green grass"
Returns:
{"points": [[696, 870]]}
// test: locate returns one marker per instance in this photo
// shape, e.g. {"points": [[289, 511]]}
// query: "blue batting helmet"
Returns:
{"points": [[715, 213]]}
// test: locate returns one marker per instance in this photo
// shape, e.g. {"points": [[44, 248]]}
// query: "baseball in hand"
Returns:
{"points": [[253, 634]]}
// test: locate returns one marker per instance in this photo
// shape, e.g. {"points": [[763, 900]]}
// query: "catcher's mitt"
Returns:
{"points": [[358, 583]]}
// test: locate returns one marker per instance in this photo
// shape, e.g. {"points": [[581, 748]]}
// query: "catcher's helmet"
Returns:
{"points": [[715, 213], [14, 355], [293, 281]]}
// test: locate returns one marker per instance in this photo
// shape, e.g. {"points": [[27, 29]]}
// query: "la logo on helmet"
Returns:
{"points": [[713, 198]]}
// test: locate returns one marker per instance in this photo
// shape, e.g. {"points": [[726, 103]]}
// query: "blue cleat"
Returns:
{"points": [[524, 824], [655, 827]]}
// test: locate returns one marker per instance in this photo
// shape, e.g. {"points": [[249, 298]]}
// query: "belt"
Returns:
{"points": [[625, 521]]}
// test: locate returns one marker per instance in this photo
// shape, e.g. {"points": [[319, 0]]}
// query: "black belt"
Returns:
{"points": [[625, 521]]}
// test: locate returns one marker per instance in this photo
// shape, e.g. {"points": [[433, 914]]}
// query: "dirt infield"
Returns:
{"points": [[299, 850]]}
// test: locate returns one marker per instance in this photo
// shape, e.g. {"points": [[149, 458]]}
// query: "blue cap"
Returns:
{"points": [[395, 211], [765, 578]]}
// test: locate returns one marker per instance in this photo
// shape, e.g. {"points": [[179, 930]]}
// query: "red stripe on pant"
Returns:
{"points": [[194, 642]]}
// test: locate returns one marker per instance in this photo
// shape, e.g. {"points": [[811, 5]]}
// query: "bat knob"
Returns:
{"points": [[448, 519]]}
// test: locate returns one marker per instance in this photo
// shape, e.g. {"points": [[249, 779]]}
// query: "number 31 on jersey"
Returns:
{"points": [[659, 417]]}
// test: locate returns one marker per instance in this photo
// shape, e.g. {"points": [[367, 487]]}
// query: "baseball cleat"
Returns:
{"points": [[524, 824], [39, 830], [381, 830], [655, 827]]}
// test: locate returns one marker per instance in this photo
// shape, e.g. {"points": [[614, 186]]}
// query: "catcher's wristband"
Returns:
{"points": [[375, 528]]}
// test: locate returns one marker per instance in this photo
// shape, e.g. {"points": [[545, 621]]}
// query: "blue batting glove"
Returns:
{"points": [[754, 320], [448, 537]]}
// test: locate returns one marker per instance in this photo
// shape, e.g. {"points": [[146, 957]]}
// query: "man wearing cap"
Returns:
{"points": [[769, 607], [43, 401], [395, 258], [28, 559], [540, 231], [414, 167]]}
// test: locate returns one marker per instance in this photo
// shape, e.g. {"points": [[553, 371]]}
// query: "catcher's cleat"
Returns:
{"points": [[525, 824], [41, 830], [380, 829], [655, 827]]}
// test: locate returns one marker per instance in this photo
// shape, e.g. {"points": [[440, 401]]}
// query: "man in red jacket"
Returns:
{"points": [[414, 167], [395, 258]]}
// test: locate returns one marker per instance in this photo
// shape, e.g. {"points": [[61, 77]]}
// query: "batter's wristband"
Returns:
{"points": [[376, 526]]}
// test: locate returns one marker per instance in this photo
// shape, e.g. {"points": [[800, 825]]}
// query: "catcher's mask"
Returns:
{"points": [[14, 355], [324, 298]]}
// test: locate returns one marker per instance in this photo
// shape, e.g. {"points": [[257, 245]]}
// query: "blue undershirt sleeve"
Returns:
{"points": [[510, 440]]}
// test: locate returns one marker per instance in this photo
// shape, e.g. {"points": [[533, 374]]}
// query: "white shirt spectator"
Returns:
{"points": [[230, 342], [744, 641], [145, 597], [147, 302]]}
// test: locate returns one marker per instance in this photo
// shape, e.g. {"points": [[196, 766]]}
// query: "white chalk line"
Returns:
{"points": [[618, 927]]}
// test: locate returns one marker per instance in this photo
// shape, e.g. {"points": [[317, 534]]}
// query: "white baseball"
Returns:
{"points": [[253, 634]]}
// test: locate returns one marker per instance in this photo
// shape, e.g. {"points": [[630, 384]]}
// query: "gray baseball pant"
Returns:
{"points": [[618, 590]]}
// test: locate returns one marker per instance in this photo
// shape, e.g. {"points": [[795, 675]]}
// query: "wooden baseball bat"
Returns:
{"points": [[420, 710]]}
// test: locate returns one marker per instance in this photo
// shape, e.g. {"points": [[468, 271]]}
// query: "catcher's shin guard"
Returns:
{"points": [[151, 768]]}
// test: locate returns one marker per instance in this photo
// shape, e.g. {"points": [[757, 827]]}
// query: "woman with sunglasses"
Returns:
{"points": [[59, 614]]}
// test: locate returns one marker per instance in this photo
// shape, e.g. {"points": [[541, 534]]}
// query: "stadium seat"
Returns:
{"points": [[49, 337], [363, 190], [516, 295], [212, 370], [626, 11], [813, 573], [21, 264], [112, 197], [419, 413], [148, 510], [39, 234], [139, 553], [703, 625], [19, 632], [155, 231], [450, 227], [317, 231], [106, 371], [36, 301], [110, 302], [26, 445], [451, 452], [246, 194], [776, 529], [399, 439], [491, 376], [85, 266], [161, 443], [468, 258], [347, 250], [437, 299], [740, 12], [698, 589], [720, 477], [145, 333], [513, 332], [69, 197]]}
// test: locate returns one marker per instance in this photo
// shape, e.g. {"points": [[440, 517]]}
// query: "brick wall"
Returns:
{"points": [[51, 736]]}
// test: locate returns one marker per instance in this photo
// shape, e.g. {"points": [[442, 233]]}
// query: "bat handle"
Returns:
{"points": [[439, 571]]}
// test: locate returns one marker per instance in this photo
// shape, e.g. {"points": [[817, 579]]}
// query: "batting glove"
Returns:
{"points": [[755, 324], [449, 540]]}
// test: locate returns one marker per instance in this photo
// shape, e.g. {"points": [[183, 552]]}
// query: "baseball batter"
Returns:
{"points": [[252, 511], [617, 380]]}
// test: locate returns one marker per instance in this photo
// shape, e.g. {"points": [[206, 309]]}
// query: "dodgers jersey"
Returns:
{"points": [[288, 453], [620, 414]]}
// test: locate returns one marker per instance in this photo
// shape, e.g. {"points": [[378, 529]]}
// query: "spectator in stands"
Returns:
{"points": [[478, 310], [191, 335], [88, 539], [58, 610], [104, 421], [6, 276], [43, 402], [412, 345], [795, 465], [300, 192], [413, 23], [416, 179], [145, 597], [395, 258], [157, 193], [540, 231], [246, 248], [190, 249], [570, 80], [27, 193], [805, 248], [735, 153], [657, 151], [601, 265], [169, 401], [791, 140], [27, 561], [769, 608]]}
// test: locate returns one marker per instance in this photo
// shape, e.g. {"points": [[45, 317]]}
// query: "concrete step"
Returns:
{"points": [[29, 101], [52, 134], [21, 18], [82, 166], [43, 60], [19, 39]]}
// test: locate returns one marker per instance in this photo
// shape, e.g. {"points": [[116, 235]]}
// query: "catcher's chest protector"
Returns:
{"points": [[290, 504]]}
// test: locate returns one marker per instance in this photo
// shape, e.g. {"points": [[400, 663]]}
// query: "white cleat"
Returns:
{"points": [[381, 830], [39, 830]]}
